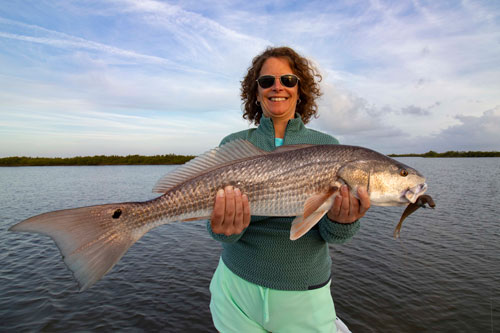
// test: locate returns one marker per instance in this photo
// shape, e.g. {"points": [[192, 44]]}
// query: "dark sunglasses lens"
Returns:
{"points": [[289, 81], [266, 81]]}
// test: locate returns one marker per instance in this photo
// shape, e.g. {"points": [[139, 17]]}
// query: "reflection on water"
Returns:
{"points": [[442, 275]]}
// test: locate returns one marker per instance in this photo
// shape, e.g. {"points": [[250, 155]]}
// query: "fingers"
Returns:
{"points": [[217, 218], [335, 210], [341, 208], [364, 199], [346, 208], [231, 213], [230, 206], [246, 211], [354, 206], [238, 210]]}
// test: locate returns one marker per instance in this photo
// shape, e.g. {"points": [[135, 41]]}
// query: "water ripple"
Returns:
{"points": [[443, 275]]}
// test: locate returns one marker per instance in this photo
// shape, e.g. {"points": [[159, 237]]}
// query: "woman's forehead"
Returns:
{"points": [[276, 66]]}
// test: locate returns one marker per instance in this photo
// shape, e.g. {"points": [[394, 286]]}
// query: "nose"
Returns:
{"points": [[277, 84]]}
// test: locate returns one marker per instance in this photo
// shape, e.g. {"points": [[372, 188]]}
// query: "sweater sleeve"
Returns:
{"points": [[223, 238], [337, 233]]}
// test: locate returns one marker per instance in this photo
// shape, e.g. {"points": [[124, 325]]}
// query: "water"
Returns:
{"points": [[443, 275]]}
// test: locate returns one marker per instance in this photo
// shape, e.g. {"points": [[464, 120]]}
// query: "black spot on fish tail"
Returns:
{"points": [[117, 213]]}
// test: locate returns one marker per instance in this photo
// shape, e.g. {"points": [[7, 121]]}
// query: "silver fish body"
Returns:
{"points": [[300, 181]]}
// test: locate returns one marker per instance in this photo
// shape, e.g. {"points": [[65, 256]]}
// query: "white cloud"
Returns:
{"points": [[61, 40], [345, 114], [353, 121], [472, 133], [398, 76], [476, 133], [199, 39]]}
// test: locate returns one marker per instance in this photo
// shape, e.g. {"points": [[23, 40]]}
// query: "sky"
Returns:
{"points": [[120, 77]]}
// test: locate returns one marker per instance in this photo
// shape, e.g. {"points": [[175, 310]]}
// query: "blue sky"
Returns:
{"points": [[157, 77]]}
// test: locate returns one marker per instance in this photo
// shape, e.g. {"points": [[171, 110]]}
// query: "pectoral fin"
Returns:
{"points": [[314, 209], [318, 201]]}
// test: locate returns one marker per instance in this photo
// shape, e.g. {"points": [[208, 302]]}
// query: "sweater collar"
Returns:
{"points": [[294, 125]]}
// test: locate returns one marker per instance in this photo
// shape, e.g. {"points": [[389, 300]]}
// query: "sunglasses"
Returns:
{"points": [[287, 80]]}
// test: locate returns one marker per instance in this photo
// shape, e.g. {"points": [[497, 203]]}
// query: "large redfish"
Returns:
{"points": [[299, 180]]}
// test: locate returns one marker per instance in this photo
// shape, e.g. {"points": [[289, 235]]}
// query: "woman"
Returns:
{"points": [[265, 281]]}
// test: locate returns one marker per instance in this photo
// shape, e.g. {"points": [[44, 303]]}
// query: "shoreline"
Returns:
{"points": [[172, 159]]}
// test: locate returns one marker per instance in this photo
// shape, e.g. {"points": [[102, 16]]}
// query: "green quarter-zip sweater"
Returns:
{"points": [[263, 253]]}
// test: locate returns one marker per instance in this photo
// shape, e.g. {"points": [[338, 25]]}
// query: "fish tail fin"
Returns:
{"points": [[91, 239]]}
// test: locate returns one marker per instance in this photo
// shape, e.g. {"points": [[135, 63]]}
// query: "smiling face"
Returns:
{"points": [[278, 102]]}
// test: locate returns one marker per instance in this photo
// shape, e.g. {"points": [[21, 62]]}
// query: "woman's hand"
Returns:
{"points": [[347, 208], [231, 214]]}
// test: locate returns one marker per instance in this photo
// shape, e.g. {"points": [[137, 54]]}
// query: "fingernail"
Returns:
{"points": [[229, 189], [220, 193], [237, 191], [362, 190]]}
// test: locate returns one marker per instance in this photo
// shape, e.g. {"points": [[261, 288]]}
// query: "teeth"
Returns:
{"points": [[278, 99]]}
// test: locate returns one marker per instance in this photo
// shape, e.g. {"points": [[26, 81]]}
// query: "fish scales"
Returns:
{"points": [[265, 180]]}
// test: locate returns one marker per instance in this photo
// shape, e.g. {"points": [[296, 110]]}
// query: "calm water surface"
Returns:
{"points": [[443, 275]]}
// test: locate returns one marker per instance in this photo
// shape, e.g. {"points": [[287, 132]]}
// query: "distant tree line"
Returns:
{"points": [[450, 153], [178, 159], [95, 160]]}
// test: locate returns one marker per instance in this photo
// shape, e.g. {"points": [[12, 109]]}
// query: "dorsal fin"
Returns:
{"points": [[282, 149], [214, 158]]}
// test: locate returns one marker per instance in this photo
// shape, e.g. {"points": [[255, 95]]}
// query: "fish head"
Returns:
{"points": [[389, 182]]}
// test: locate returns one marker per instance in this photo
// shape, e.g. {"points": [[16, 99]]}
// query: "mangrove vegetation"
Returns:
{"points": [[432, 153], [95, 160]]}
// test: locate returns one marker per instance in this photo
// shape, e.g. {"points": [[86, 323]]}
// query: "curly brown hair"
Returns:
{"points": [[308, 85]]}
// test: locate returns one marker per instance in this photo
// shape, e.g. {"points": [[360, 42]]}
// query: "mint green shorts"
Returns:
{"points": [[241, 306]]}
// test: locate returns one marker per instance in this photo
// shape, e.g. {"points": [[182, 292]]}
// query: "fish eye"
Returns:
{"points": [[403, 172]]}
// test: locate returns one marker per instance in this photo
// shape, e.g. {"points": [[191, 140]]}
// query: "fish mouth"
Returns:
{"points": [[413, 193]]}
